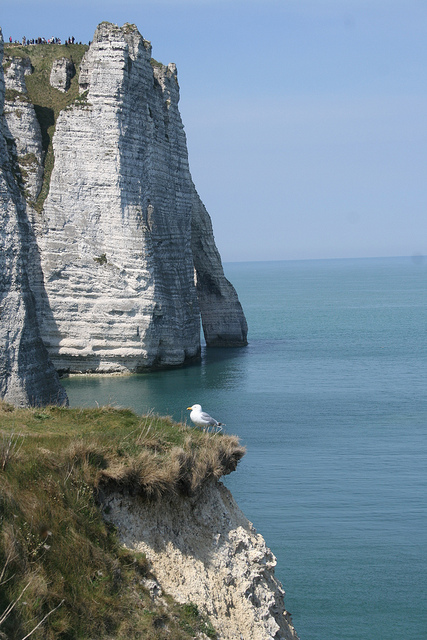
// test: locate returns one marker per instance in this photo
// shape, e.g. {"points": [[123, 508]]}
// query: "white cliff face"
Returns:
{"points": [[21, 128], [27, 377], [203, 550], [116, 247], [128, 258]]}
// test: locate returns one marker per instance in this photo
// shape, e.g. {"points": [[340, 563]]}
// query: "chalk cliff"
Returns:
{"points": [[123, 229], [204, 551], [128, 259], [27, 376]]}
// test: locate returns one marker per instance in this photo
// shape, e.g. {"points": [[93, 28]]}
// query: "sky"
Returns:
{"points": [[305, 119]]}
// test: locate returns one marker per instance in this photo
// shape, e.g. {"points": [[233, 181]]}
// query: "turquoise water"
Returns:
{"points": [[330, 400]]}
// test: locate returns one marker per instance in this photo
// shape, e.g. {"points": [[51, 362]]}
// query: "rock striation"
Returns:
{"points": [[123, 228], [204, 551], [27, 377]]}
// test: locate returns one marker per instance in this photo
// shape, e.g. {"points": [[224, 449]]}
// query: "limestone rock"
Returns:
{"points": [[118, 240], [21, 128], [27, 377], [203, 550], [63, 70], [224, 323], [14, 73]]}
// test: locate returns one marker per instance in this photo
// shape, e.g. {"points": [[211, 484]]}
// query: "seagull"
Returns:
{"points": [[203, 419]]}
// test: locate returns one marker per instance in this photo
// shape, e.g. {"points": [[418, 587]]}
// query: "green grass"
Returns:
{"points": [[156, 64], [102, 259], [12, 94], [47, 101], [55, 463]]}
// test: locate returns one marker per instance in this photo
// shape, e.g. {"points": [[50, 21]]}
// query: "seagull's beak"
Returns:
{"points": [[189, 408]]}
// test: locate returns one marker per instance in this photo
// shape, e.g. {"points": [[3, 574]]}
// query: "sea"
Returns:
{"points": [[330, 400]]}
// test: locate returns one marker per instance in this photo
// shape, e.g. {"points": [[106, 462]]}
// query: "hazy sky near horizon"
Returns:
{"points": [[305, 119]]}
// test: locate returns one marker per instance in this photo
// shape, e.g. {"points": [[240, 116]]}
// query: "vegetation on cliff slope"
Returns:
{"points": [[60, 562]]}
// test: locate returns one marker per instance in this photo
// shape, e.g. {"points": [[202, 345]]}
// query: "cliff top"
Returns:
{"points": [[55, 463], [49, 101]]}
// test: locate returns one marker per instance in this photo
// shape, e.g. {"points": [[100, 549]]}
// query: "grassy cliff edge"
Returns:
{"points": [[59, 560]]}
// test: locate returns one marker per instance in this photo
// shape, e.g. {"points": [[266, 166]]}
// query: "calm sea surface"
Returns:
{"points": [[330, 400]]}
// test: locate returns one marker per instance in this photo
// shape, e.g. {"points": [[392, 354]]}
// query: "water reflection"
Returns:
{"points": [[164, 392]]}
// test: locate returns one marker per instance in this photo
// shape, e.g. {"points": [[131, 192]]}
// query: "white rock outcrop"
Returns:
{"points": [[121, 224], [21, 128], [15, 70], [203, 550], [111, 282], [62, 72], [27, 377], [224, 323]]}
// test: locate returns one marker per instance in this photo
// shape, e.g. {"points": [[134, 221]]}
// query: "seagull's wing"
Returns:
{"points": [[207, 417]]}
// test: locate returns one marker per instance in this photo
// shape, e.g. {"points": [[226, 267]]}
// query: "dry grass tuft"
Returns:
{"points": [[145, 474], [180, 469], [10, 445], [215, 458]]}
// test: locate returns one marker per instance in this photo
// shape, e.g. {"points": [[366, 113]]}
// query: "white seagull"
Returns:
{"points": [[203, 419]]}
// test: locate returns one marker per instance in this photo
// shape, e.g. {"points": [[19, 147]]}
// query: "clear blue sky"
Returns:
{"points": [[306, 120]]}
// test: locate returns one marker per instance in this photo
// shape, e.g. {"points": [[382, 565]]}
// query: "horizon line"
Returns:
{"points": [[416, 259]]}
